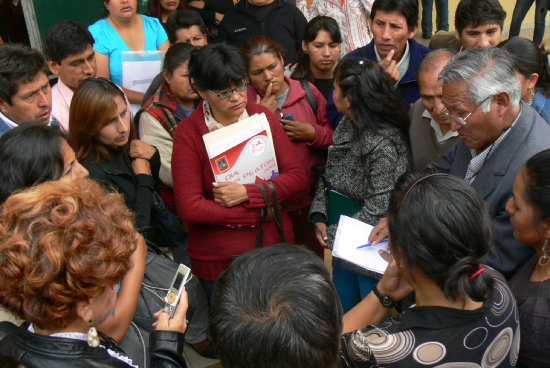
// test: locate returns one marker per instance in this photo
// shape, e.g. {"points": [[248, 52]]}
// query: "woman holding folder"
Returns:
{"points": [[222, 217], [369, 154]]}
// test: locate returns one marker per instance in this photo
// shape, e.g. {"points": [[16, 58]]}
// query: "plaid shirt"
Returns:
{"points": [[162, 106]]}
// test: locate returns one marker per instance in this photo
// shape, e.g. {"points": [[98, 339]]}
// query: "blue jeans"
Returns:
{"points": [[351, 286], [521, 9], [442, 9]]}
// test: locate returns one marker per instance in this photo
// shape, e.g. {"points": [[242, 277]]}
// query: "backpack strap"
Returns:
{"points": [[309, 95]]}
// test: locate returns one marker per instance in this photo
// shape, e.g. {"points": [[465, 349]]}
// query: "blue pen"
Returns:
{"points": [[385, 240]]}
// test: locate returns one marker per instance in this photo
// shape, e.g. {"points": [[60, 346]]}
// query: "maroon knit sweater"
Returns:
{"points": [[217, 233]]}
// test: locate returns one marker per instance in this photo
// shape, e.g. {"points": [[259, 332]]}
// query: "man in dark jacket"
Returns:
{"points": [[394, 24], [276, 19]]}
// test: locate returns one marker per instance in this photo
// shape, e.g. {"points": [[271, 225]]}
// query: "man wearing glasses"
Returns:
{"points": [[497, 134]]}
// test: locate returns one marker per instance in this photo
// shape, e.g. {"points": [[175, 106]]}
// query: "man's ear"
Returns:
{"points": [[412, 32], [502, 100], [457, 35], [4, 107], [54, 67]]}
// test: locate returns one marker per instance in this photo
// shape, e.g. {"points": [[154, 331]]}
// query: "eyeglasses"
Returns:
{"points": [[462, 120], [229, 91]]}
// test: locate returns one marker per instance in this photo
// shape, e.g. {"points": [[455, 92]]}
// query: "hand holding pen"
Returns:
{"points": [[321, 230], [385, 240]]}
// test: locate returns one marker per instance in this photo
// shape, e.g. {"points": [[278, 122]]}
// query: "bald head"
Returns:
{"points": [[431, 89]]}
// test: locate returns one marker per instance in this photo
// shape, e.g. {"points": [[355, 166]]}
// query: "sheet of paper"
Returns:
{"points": [[139, 68], [352, 233]]}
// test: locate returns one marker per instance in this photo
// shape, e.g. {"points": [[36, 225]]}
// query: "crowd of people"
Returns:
{"points": [[444, 149]]}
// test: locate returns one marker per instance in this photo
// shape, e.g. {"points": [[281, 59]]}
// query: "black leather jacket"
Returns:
{"points": [[18, 345]]}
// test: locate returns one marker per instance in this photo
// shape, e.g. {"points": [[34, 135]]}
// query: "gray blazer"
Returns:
{"points": [[494, 182], [364, 168]]}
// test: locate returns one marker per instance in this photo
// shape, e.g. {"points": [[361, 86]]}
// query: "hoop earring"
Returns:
{"points": [[92, 336], [544, 259]]}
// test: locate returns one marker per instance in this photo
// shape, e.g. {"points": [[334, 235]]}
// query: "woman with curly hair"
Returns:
{"points": [[62, 276]]}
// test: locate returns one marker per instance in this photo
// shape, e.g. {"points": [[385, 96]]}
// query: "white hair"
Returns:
{"points": [[487, 71]]}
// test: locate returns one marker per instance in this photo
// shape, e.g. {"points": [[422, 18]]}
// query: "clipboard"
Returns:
{"points": [[341, 204]]}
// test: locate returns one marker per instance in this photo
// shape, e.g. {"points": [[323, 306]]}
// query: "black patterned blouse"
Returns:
{"points": [[440, 337]]}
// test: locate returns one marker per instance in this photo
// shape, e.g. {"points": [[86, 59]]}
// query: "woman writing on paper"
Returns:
{"points": [[310, 131], [222, 217], [370, 152], [124, 30], [465, 314]]}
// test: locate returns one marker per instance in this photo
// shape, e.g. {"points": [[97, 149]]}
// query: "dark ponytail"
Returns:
{"points": [[443, 228], [528, 58]]}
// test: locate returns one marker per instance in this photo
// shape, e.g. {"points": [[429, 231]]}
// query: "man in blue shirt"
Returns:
{"points": [[393, 24], [25, 93]]}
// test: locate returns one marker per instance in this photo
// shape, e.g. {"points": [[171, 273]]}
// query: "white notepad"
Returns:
{"points": [[352, 233]]}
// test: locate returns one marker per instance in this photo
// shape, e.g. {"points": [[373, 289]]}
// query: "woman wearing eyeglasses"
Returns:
{"points": [[222, 217]]}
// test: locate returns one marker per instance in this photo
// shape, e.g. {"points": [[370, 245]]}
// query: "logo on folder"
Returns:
{"points": [[222, 164]]}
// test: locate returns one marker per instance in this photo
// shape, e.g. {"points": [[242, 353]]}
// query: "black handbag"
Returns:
{"points": [[168, 230]]}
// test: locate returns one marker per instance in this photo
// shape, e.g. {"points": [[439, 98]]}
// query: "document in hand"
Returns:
{"points": [[139, 68], [350, 235], [242, 152]]}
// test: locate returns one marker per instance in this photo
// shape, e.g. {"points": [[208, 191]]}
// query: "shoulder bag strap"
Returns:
{"points": [[262, 213], [277, 212]]}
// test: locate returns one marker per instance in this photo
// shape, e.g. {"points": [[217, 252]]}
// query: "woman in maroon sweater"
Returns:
{"points": [[221, 218]]}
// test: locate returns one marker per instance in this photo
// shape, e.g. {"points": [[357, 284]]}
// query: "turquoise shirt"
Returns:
{"points": [[109, 42]]}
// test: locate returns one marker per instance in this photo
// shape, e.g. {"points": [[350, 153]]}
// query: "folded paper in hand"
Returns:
{"points": [[242, 152], [352, 233]]}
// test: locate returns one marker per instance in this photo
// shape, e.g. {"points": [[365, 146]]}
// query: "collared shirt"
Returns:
{"points": [[12, 124], [479, 157], [61, 102], [211, 123], [437, 129], [62, 96], [403, 64]]}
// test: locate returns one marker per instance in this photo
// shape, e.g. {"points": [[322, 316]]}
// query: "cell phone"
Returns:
{"points": [[176, 287], [287, 116]]}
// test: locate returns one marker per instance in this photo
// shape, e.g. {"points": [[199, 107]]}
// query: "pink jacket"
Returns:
{"points": [[309, 153]]}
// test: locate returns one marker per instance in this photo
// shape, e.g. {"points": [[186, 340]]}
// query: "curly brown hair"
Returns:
{"points": [[61, 243]]}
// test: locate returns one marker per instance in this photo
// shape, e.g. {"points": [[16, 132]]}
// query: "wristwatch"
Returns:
{"points": [[386, 300]]}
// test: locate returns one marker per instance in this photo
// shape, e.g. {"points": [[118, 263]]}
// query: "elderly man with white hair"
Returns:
{"points": [[497, 134]]}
